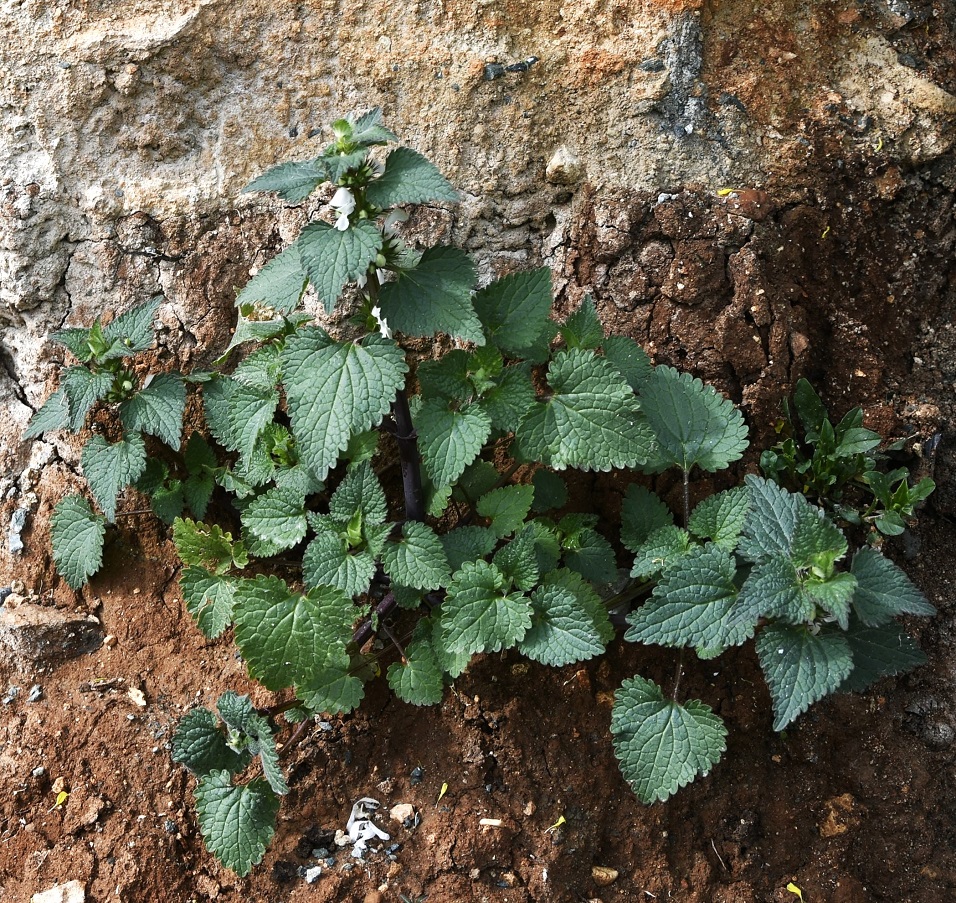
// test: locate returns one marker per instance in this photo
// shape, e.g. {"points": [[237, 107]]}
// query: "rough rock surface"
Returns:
{"points": [[33, 635]]}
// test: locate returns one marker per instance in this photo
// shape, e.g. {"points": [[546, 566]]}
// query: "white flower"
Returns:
{"points": [[393, 220], [382, 322], [343, 203]]}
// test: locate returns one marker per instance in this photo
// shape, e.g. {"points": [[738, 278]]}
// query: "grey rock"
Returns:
{"points": [[18, 520], [32, 635]]}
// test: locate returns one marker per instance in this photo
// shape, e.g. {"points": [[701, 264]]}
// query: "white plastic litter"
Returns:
{"points": [[360, 827]]}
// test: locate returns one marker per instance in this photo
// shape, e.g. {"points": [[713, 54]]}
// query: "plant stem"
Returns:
{"points": [[388, 632], [680, 673], [407, 440], [686, 498]]}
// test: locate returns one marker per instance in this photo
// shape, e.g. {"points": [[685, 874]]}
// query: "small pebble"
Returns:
{"points": [[36, 693], [320, 853], [11, 694], [418, 775], [38, 772], [313, 874]]}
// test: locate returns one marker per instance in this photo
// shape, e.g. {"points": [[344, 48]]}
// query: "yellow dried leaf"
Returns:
{"points": [[795, 890]]}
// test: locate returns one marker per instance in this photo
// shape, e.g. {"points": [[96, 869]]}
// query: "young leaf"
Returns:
{"points": [[774, 589], [418, 560], [237, 821], [77, 340], [110, 468], [879, 652], [591, 556], [883, 591], [661, 551], [201, 746], [199, 485], [206, 546], [568, 622], [511, 398], [583, 328], [54, 414], [367, 129], [450, 439], [331, 688], [833, 595], [692, 423], [359, 491], [434, 297], [293, 182], [720, 518], [467, 544], [809, 407], [662, 745], [158, 409], [801, 668], [517, 560], [337, 389], [630, 359], [328, 562], [277, 516], [478, 616], [132, 332], [642, 512], [514, 310], [771, 520], [77, 537], [408, 179], [279, 285], [446, 377], [332, 257], [418, 679], [83, 389], [209, 599], [506, 507], [592, 420]]}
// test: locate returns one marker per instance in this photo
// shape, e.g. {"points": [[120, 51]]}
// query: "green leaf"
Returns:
{"points": [[583, 328], [773, 589], [279, 285], [286, 637], [720, 518], [592, 557], [328, 562], [452, 663], [293, 182], [158, 409], [237, 414], [83, 389], [509, 401], [478, 615], [199, 485], [237, 822], [507, 508], [857, 441], [879, 652], [514, 310], [801, 668], [207, 546], [54, 414], [630, 359], [255, 733], [331, 688], [771, 520], [209, 599], [662, 745], [661, 551], [809, 407], [168, 502], [817, 541], [201, 746], [408, 179], [132, 332], [642, 513], [277, 516], [591, 421], [833, 595], [332, 257], [359, 491], [434, 297], [467, 544], [446, 377], [883, 591], [337, 389], [692, 423], [568, 621], [550, 490], [418, 679], [479, 477], [418, 560], [517, 560], [367, 129], [77, 340], [693, 605], [77, 535], [110, 468], [450, 439]]}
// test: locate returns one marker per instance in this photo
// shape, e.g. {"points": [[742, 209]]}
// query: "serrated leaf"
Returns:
{"points": [[261, 369], [694, 604], [158, 409], [237, 414], [773, 589], [277, 516], [452, 663], [450, 439], [332, 257], [694, 425], [662, 745], [771, 520], [285, 637], [368, 129], [583, 328], [418, 560], [110, 468], [418, 679], [817, 541], [514, 309], [359, 491], [446, 377], [77, 535], [83, 389], [661, 551], [591, 421], [199, 485], [255, 733], [337, 389], [328, 562], [569, 623], [251, 327], [642, 512], [883, 591], [518, 561], [720, 518], [292, 181], [879, 652], [801, 668], [200, 745], [53, 414], [207, 546], [279, 285], [550, 490], [478, 615], [132, 331], [592, 557], [76, 339], [630, 359], [331, 688], [467, 544], [510, 400], [168, 502], [209, 599], [434, 297], [833, 595], [479, 477], [408, 179], [237, 821], [506, 507]]}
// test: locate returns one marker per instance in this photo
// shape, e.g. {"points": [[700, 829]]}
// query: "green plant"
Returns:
{"points": [[482, 555], [838, 467]]}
